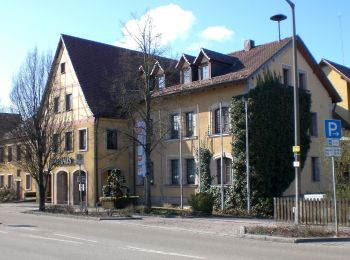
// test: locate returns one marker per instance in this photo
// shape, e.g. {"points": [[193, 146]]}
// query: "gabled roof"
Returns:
{"points": [[249, 62], [214, 56], [8, 122], [185, 58], [342, 70], [99, 67]]}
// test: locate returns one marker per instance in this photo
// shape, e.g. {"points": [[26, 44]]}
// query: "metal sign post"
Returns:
{"points": [[333, 134]]}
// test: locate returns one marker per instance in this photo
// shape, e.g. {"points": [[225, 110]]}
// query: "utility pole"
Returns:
{"points": [[247, 154]]}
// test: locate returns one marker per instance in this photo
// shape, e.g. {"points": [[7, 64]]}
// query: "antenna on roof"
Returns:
{"points": [[278, 18]]}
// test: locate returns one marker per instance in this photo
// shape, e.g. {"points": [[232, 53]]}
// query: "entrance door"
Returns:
{"points": [[62, 188], [18, 189]]}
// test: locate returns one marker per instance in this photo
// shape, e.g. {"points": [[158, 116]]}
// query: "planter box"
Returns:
{"points": [[118, 203]]}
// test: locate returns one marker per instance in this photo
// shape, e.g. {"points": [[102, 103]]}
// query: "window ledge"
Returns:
{"points": [[183, 139], [218, 135]]}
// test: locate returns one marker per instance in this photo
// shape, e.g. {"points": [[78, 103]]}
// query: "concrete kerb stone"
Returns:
{"points": [[243, 234]]}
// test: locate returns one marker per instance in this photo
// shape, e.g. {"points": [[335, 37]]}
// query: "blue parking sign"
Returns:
{"points": [[332, 128]]}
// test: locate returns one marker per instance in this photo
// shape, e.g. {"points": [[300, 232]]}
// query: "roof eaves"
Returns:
{"points": [[327, 62]]}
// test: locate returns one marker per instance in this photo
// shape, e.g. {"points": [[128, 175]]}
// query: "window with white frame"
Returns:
{"points": [[204, 71], [1, 154], [56, 103], [227, 169], [161, 81], [189, 124], [10, 181], [175, 127], [286, 71], [69, 102], [82, 133], [221, 121], [28, 182], [186, 75], [111, 139], [302, 80], [174, 172], [55, 143], [190, 171], [68, 141], [9, 153]]}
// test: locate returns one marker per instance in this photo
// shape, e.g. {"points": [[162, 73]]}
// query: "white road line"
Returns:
{"points": [[4, 232], [77, 238], [53, 239], [162, 252]]}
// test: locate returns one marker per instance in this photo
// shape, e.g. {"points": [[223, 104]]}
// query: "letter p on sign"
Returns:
{"points": [[332, 129]]}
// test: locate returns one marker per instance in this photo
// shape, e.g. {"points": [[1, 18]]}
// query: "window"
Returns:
{"points": [[175, 174], [55, 143], [63, 68], [161, 81], [286, 77], [111, 139], [190, 171], [9, 181], [1, 181], [27, 152], [227, 168], [28, 182], [302, 80], [313, 127], [18, 173], [315, 161], [224, 118], [68, 102], [1, 154], [18, 152], [189, 124], [204, 71], [186, 75], [68, 141], [83, 139], [56, 101], [9, 154], [174, 133]]}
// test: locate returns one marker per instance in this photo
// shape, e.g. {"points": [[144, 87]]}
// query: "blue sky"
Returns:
{"points": [[218, 25]]}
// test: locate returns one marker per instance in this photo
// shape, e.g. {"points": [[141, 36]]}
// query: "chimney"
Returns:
{"points": [[248, 45]]}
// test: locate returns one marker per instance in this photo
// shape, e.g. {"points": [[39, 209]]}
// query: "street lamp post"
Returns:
{"points": [[296, 117]]}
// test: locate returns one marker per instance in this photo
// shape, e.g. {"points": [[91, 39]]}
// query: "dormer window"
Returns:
{"points": [[161, 81], [204, 71], [186, 75]]}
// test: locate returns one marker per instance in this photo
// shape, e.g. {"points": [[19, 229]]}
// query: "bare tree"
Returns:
{"points": [[142, 110], [41, 128]]}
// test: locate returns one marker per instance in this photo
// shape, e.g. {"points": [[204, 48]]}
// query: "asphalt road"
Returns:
{"points": [[26, 236]]}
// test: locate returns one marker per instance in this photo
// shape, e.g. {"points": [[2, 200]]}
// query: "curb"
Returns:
{"points": [[120, 218], [242, 234]]}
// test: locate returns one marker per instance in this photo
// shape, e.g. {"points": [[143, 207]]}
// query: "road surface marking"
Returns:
{"points": [[162, 252], [4, 232], [77, 238], [54, 239]]}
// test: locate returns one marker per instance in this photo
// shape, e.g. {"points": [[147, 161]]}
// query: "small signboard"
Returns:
{"points": [[333, 142], [332, 151], [296, 164], [82, 179], [81, 187], [79, 159], [296, 149], [332, 128]]}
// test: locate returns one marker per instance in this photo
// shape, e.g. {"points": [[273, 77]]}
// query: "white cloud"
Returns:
{"points": [[216, 33], [169, 21]]}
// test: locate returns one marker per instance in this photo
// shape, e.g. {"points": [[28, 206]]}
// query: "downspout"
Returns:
{"points": [[96, 159]]}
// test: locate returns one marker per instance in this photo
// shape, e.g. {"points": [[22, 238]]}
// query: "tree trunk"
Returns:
{"points": [[42, 193]]}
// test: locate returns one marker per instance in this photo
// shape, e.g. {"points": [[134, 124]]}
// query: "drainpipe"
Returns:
{"points": [[96, 158]]}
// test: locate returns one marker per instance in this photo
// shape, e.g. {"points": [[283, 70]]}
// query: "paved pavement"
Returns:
{"points": [[27, 236]]}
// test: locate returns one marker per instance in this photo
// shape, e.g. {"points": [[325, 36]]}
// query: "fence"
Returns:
{"points": [[316, 211]]}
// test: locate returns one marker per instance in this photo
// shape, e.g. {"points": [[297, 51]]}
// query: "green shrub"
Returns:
{"points": [[7, 194], [202, 202]]}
